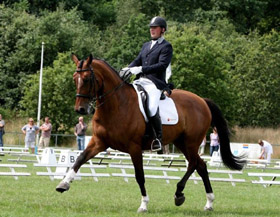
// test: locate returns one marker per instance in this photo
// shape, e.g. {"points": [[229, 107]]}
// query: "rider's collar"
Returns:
{"points": [[159, 40]]}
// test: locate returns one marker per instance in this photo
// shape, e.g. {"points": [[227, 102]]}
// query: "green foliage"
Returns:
{"points": [[125, 43], [257, 80], [199, 66], [7, 113], [58, 94], [97, 12], [13, 26], [21, 36]]}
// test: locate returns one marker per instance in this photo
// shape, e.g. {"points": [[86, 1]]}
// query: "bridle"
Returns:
{"points": [[94, 98]]}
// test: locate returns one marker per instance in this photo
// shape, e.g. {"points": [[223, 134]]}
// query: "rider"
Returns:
{"points": [[150, 67]]}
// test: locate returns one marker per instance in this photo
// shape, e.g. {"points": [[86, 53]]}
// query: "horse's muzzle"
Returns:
{"points": [[81, 110]]}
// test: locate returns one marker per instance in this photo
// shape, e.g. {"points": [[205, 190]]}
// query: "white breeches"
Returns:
{"points": [[268, 157], [153, 94]]}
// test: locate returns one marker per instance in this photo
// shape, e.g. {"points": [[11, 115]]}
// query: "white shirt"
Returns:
{"points": [[153, 43], [267, 147]]}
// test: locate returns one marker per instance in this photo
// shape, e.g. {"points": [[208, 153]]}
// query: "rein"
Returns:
{"points": [[94, 99]]}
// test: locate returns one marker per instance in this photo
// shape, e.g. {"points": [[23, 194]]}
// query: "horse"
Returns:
{"points": [[118, 123]]}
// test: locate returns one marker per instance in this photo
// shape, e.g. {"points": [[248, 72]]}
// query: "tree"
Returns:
{"points": [[98, 12], [21, 36], [199, 65], [256, 77], [58, 94], [123, 41]]}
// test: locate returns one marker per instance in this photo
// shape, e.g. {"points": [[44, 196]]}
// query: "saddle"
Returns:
{"points": [[167, 108]]}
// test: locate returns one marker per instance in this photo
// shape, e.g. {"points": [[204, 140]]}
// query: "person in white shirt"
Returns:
{"points": [[267, 150]]}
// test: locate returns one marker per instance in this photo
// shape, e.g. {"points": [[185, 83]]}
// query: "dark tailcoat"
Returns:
{"points": [[154, 62]]}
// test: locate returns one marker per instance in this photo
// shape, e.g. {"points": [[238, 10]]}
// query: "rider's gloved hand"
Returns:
{"points": [[136, 70], [125, 73]]}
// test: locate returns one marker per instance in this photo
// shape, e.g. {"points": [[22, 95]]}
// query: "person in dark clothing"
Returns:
{"points": [[150, 68]]}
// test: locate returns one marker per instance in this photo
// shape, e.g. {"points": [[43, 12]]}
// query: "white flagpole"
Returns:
{"points": [[40, 92]]}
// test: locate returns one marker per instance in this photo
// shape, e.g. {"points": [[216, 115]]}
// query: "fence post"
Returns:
{"points": [[55, 140]]}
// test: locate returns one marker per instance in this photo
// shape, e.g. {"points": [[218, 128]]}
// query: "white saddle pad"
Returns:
{"points": [[167, 110]]}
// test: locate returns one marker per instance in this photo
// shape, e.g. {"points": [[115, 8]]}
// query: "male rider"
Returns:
{"points": [[150, 70]]}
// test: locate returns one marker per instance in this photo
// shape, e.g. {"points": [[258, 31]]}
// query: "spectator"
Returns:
{"points": [[2, 131], [30, 130], [267, 150], [46, 129], [80, 133], [215, 142], [202, 147]]}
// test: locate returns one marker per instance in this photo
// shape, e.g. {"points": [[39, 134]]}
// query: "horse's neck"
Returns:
{"points": [[106, 74], [116, 93]]}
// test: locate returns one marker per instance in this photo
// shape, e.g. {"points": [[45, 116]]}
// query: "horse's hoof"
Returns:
{"points": [[179, 200], [208, 208], [141, 210], [63, 186]]}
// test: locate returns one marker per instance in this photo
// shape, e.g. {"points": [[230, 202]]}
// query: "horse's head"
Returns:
{"points": [[85, 81]]}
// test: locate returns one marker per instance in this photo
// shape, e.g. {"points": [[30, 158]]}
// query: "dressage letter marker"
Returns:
{"points": [[67, 158]]}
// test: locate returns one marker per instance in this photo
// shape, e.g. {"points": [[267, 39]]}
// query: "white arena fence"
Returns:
{"points": [[55, 163]]}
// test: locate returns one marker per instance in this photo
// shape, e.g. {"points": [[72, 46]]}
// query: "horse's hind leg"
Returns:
{"points": [[92, 149], [202, 171], [179, 195]]}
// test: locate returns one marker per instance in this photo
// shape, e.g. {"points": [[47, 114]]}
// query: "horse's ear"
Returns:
{"points": [[75, 58], [89, 59]]}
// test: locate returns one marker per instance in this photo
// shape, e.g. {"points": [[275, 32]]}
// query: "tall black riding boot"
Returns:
{"points": [[157, 126]]}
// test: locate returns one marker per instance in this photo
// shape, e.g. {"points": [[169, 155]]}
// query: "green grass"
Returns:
{"points": [[110, 197]]}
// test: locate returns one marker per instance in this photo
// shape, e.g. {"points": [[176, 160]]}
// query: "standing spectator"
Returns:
{"points": [[267, 150], [46, 129], [202, 146], [80, 133], [2, 131], [215, 141], [30, 130]]}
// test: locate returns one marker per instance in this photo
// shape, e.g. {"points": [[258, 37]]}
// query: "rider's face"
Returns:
{"points": [[156, 32]]}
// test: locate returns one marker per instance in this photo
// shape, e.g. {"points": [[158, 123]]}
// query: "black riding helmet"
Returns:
{"points": [[158, 21]]}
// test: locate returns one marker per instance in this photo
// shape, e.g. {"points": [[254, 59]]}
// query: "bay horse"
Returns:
{"points": [[119, 124]]}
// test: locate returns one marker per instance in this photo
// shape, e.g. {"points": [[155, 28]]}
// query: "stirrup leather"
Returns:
{"points": [[157, 149]]}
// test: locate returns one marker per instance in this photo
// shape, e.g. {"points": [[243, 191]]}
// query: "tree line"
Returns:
{"points": [[224, 50]]}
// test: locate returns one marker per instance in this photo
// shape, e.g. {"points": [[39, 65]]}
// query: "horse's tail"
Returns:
{"points": [[218, 121]]}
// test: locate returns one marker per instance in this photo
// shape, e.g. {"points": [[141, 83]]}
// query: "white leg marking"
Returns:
{"points": [[69, 176], [209, 204], [144, 203]]}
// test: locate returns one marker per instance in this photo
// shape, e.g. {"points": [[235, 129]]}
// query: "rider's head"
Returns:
{"points": [[157, 27]]}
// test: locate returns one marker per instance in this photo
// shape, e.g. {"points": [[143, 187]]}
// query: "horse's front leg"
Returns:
{"points": [[92, 149], [137, 159]]}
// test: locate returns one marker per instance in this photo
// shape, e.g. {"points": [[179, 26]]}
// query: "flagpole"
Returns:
{"points": [[40, 93]]}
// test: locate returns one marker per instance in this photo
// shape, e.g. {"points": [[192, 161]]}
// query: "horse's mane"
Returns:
{"points": [[107, 64]]}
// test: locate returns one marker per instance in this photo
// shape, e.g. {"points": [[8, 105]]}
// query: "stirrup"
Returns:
{"points": [[157, 149]]}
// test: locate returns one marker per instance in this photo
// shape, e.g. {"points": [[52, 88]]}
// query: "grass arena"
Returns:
{"points": [[111, 196]]}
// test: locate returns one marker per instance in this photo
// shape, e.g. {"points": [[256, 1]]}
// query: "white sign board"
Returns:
{"points": [[48, 157], [67, 158], [251, 150]]}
